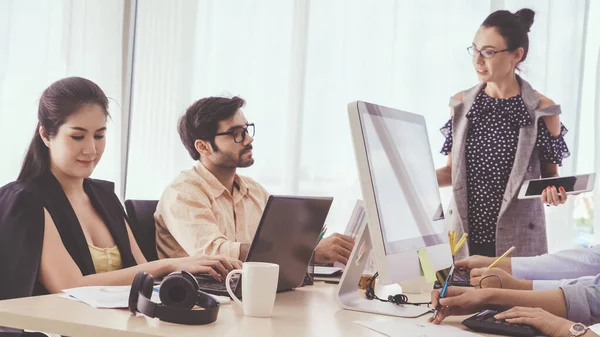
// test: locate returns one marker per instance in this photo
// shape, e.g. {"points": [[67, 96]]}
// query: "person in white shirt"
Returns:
{"points": [[566, 283], [552, 312], [548, 271]]}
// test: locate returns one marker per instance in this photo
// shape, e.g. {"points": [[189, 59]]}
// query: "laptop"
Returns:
{"points": [[287, 235]]}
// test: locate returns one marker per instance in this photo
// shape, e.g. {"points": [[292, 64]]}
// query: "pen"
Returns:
{"points": [[501, 257], [444, 289], [322, 234]]}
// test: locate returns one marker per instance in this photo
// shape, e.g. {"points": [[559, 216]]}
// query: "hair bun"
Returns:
{"points": [[525, 17]]}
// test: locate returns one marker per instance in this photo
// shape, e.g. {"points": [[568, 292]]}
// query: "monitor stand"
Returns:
{"points": [[352, 299]]}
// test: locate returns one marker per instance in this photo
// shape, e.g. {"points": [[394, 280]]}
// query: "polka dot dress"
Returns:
{"points": [[491, 146]]}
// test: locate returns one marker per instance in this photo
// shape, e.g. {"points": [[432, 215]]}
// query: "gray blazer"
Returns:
{"points": [[521, 223]]}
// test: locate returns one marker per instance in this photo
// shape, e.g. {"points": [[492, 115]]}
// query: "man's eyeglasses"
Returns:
{"points": [[239, 133], [485, 53]]}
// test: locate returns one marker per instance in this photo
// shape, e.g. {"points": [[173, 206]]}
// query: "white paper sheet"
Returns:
{"points": [[415, 329], [114, 296], [328, 271]]}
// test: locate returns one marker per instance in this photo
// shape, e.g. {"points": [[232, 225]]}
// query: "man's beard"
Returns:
{"points": [[245, 162], [229, 160]]}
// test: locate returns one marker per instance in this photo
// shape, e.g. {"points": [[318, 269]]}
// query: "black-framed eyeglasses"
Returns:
{"points": [[485, 53], [239, 133]]}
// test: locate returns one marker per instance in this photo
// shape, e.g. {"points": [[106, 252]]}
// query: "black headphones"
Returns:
{"points": [[178, 294]]}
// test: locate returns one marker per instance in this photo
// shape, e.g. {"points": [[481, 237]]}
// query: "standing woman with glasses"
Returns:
{"points": [[501, 133]]}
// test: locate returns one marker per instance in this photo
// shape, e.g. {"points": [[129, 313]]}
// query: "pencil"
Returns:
{"points": [[501, 257], [455, 237], [460, 243]]}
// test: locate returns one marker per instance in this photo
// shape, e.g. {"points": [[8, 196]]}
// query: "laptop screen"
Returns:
{"points": [[287, 235]]}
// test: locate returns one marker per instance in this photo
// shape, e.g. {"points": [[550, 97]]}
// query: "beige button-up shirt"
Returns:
{"points": [[198, 215]]}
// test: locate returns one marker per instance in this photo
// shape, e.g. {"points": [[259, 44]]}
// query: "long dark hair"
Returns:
{"points": [[513, 27], [59, 101]]}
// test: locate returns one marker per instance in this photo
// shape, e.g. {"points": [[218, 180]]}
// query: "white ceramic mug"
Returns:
{"points": [[259, 287]]}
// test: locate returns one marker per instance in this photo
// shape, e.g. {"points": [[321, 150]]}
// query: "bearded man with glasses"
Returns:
{"points": [[210, 209]]}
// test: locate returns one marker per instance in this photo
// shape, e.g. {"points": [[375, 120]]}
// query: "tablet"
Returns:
{"points": [[460, 278], [572, 185]]}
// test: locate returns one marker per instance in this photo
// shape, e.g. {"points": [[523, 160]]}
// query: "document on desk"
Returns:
{"points": [[328, 271], [114, 296], [104, 297], [415, 329]]}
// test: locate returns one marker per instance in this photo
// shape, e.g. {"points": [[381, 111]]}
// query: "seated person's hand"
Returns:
{"points": [[553, 196], [540, 319], [478, 261], [334, 248], [497, 278], [458, 301], [216, 266]]}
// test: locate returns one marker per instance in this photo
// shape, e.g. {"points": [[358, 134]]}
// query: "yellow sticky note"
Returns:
{"points": [[426, 266]]}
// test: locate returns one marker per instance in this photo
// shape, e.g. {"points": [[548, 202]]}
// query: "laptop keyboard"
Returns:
{"points": [[485, 322], [213, 286], [210, 285]]}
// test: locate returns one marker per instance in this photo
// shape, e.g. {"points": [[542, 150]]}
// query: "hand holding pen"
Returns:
{"points": [[458, 301], [444, 290]]}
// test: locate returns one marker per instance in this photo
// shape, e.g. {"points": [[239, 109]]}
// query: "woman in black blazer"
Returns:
{"points": [[58, 226]]}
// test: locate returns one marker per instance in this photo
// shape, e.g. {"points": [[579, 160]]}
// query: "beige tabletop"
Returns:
{"points": [[308, 311]]}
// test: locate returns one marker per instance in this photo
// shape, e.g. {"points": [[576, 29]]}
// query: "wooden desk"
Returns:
{"points": [[308, 311]]}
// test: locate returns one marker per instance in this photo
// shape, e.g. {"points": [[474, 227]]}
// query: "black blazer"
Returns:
{"points": [[22, 230]]}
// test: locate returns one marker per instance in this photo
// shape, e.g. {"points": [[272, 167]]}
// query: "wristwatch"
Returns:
{"points": [[577, 329]]}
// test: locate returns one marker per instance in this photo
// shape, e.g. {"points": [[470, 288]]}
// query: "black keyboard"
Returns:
{"points": [[209, 285], [212, 286], [485, 322]]}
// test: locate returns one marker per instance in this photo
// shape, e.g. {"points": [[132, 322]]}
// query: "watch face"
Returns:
{"points": [[578, 327]]}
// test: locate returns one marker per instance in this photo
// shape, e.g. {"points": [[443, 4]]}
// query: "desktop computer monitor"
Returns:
{"points": [[399, 189]]}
